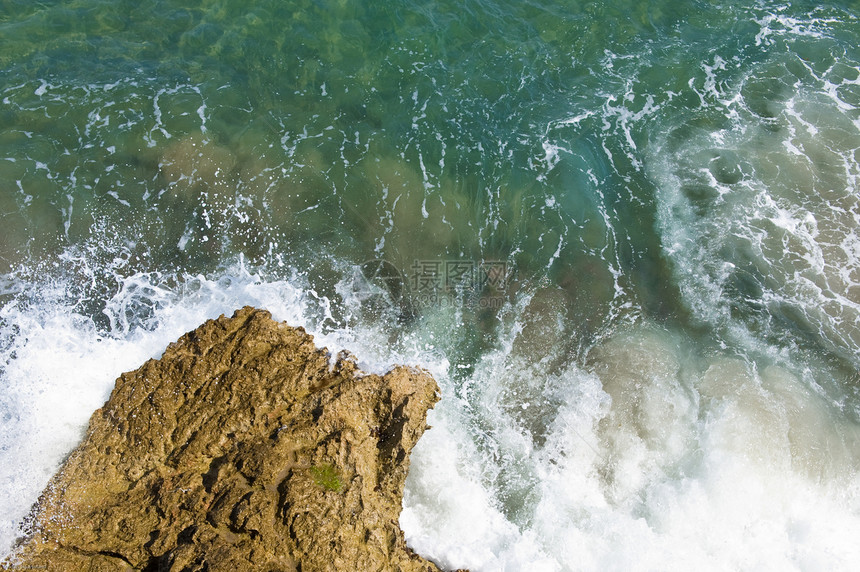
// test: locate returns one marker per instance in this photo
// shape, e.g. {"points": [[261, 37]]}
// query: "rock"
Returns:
{"points": [[240, 449]]}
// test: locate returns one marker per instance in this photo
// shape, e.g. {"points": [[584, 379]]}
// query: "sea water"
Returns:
{"points": [[623, 236]]}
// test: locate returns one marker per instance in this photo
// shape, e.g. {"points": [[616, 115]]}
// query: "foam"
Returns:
{"points": [[781, 214], [654, 458]]}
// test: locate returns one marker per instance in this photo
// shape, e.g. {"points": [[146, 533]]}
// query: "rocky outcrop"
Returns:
{"points": [[242, 448]]}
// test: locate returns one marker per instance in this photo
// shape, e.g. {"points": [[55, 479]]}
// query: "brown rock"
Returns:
{"points": [[240, 449]]}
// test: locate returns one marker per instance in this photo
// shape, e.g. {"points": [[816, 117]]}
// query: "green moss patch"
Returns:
{"points": [[327, 477]]}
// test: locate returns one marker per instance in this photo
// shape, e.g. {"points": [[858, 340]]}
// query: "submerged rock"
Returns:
{"points": [[240, 449]]}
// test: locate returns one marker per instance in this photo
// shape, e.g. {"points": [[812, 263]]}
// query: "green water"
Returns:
{"points": [[337, 108], [156, 137]]}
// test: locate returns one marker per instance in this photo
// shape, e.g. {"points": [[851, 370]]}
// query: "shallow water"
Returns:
{"points": [[623, 237]]}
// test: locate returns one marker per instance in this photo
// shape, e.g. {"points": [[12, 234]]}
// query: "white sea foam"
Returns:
{"points": [[641, 456], [652, 459], [771, 203]]}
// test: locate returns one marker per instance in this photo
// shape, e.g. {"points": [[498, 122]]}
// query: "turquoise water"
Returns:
{"points": [[623, 236]]}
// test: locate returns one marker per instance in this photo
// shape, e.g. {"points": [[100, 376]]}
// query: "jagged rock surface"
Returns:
{"points": [[240, 449]]}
